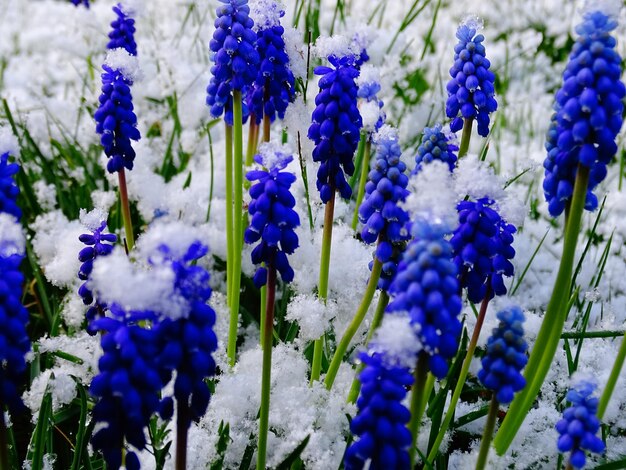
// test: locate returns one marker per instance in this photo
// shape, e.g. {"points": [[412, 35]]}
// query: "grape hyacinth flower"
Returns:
{"points": [[370, 106], [272, 218], [234, 56], [436, 145], [482, 249], [187, 343], [274, 86], [115, 120], [98, 244], [426, 287], [577, 430], [471, 89], [79, 2], [501, 366], [336, 125], [8, 189], [380, 213], [272, 223], [505, 356], [13, 315], [127, 386], [381, 420], [589, 109], [122, 31]]}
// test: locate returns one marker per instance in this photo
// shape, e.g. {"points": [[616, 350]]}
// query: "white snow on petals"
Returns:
{"points": [[336, 45], [266, 13], [120, 59], [92, 219], [132, 8], [273, 154], [432, 194], [12, 239], [396, 339], [610, 8], [473, 21]]}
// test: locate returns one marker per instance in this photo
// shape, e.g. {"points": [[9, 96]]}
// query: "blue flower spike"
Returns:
{"points": [[274, 86], [98, 243], [426, 286], [505, 356], [13, 315], [116, 122], [483, 249], [471, 89], [588, 113], [8, 188], [336, 124], [381, 420], [81, 2], [380, 211], [272, 217], [579, 426], [235, 59], [436, 144]]}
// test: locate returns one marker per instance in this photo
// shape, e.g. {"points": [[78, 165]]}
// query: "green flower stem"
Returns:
{"points": [[263, 314], [365, 169], [4, 444], [417, 397], [322, 285], [471, 347], [267, 367], [430, 383], [237, 242], [466, 137], [253, 137], [358, 159], [550, 332], [490, 425], [182, 427], [230, 249], [342, 347], [610, 385], [128, 223], [383, 301]]}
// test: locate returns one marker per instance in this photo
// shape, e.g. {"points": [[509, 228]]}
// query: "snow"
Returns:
{"points": [[396, 339], [12, 239], [8, 142], [120, 59]]}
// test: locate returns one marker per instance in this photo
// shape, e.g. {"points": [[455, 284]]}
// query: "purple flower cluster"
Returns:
{"points": [[381, 420], [336, 125], [122, 31], [234, 56], [482, 249], [274, 86], [426, 287], [579, 425], [505, 356], [471, 90], [8, 189], [272, 218], [435, 145], [589, 108], [98, 244]]}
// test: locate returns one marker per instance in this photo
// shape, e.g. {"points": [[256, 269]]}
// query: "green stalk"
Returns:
{"points": [[358, 160], [610, 385], [4, 444], [417, 397], [445, 424], [253, 135], [322, 285], [466, 137], [383, 300], [365, 169], [182, 427], [237, 224], [342, 347], [234, 317], [550, 333], [267, 367], [128, 223], [488, 433]]}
